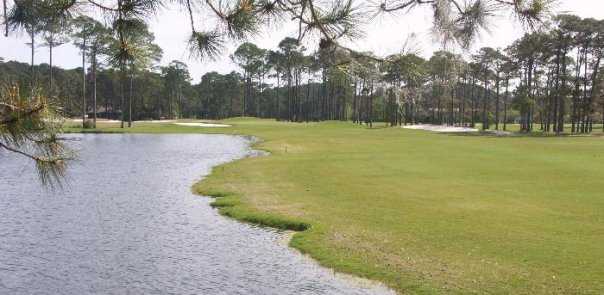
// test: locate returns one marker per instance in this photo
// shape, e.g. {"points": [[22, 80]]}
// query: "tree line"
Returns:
{"points": [[124, 43], [548, 78], [544, 81]]}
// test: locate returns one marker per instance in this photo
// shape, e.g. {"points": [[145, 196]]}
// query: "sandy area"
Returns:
{"points": [[440, 128], [97, 120], [190, 124], [158, 121], [200, 124]]}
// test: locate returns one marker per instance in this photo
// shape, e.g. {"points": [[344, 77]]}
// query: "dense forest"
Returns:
{"points": [[548, 78]]}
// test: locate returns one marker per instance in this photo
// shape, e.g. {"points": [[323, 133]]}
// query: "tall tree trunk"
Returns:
{"points": [[107, 105], [485, 118], [289, 95], [505, 105], [84, 84], [562, 104], [354, 102], [497, 104], [130, 97], [299, 96], [50, 47], [179, 109], [558, 96], [585, 103], [121, 62], [575, 97], [123, 97], [257, 97], [94, 110], [306, 112], [370, 107], [245, 93], [170, 99], [462, 103], [278, 115], [33, 71], [451, 113], [529, 83], [594, 81], [473, 100]]}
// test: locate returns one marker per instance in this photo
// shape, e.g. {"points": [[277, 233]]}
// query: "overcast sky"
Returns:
{"points": [[386, 35]]}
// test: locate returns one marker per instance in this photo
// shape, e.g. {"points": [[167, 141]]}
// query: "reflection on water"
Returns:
{"points": [[127, 223]]}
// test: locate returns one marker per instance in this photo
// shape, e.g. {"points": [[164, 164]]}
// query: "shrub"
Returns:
{"points": [[88, 124]]}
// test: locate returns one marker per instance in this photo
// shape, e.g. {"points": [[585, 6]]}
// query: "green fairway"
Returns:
{"points": [[423, 212]]}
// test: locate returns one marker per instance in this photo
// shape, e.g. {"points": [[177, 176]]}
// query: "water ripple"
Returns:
{"points": [[127, 223]]}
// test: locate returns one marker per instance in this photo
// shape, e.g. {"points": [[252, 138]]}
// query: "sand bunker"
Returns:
{"points": [[158, 121], [440, 128], [209, 125], [98, 120]]}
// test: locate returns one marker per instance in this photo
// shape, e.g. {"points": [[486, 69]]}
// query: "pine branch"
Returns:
{"points": [[4, 8]]}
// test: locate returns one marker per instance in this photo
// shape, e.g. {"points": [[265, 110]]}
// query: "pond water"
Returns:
{"points": [[126, 222]]}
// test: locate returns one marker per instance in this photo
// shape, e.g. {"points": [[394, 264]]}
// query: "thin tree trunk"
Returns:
{"points": [[94, 110], [84, 84], [594, 81], [122, 64], [562, 104], [130, 100], [473, 100], [558, 96], [585, 108], [505, 105], [451, 114], [497, 105], [278, 96], [33, 71], [170, 98], [529, 83], [354, 102], [462, 102], [245, 94], [107, 106], [485, 119], [50, 47], [122, 96]]}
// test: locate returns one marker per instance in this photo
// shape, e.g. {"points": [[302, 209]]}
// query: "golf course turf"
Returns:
{"points": [[420, 211]]}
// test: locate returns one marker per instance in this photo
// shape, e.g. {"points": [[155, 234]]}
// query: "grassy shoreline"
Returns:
{"points": [[421, 212]]}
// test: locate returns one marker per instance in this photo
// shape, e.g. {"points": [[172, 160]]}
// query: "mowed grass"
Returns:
{"points": [[424, 212]]}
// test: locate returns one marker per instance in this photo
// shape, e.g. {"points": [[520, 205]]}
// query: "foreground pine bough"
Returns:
{"points": [[29, 127]]}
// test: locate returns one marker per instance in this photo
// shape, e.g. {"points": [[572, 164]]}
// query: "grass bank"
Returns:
{"points": [[424, 212]]}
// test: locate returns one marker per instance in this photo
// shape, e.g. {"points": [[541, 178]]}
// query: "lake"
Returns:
{"points": [[126, 222]]}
